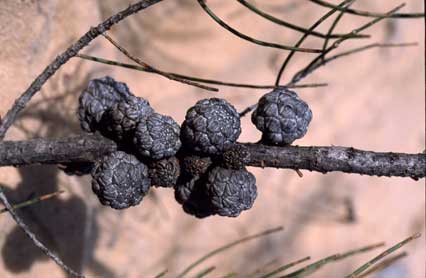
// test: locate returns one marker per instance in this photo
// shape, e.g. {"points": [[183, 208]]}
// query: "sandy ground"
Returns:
{"points": [[375, 101]]}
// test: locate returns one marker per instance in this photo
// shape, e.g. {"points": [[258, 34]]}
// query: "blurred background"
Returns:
{"points": [[375, 101]]}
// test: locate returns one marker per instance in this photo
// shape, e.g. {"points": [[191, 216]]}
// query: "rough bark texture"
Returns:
{"points": [[54, 151], [343, 159], [321, 159], [311, 207]]}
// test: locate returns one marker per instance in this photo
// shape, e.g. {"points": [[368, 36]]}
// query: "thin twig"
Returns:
{"points": [[155, 70], [205, 272], [296, 27], [285, 267], [247, 110], [37, 84], [335, 57], [33, 201], [360, 49], [317, 60], [368, 14], [231, 275], [311, 268], [250, 39], [197, 79], [365, 266], [334, 25], [261, 269], [226, 247], [384, 264], [161, 274], [303, 38], [60, 60], [34, 239]]}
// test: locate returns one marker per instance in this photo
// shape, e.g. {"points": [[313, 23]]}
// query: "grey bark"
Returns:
{"points": [[85, 148], [343, 159], [36, 85]]}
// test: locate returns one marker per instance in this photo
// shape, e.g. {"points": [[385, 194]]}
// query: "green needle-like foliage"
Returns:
{"points": [[304, 37], [250, 39], [293, 26], [284, 267], [365, 266], [311, 268], [34, 200], [226, 247], [368, 14]]}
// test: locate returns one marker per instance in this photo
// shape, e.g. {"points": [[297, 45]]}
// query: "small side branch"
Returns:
{"points": [[86, 148], [193, 78], [304, 37], [60, 60], [37, 84], [293, 26], [250, 39], [368, 14], [35, 240], [307, 70], [155, 70]]}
